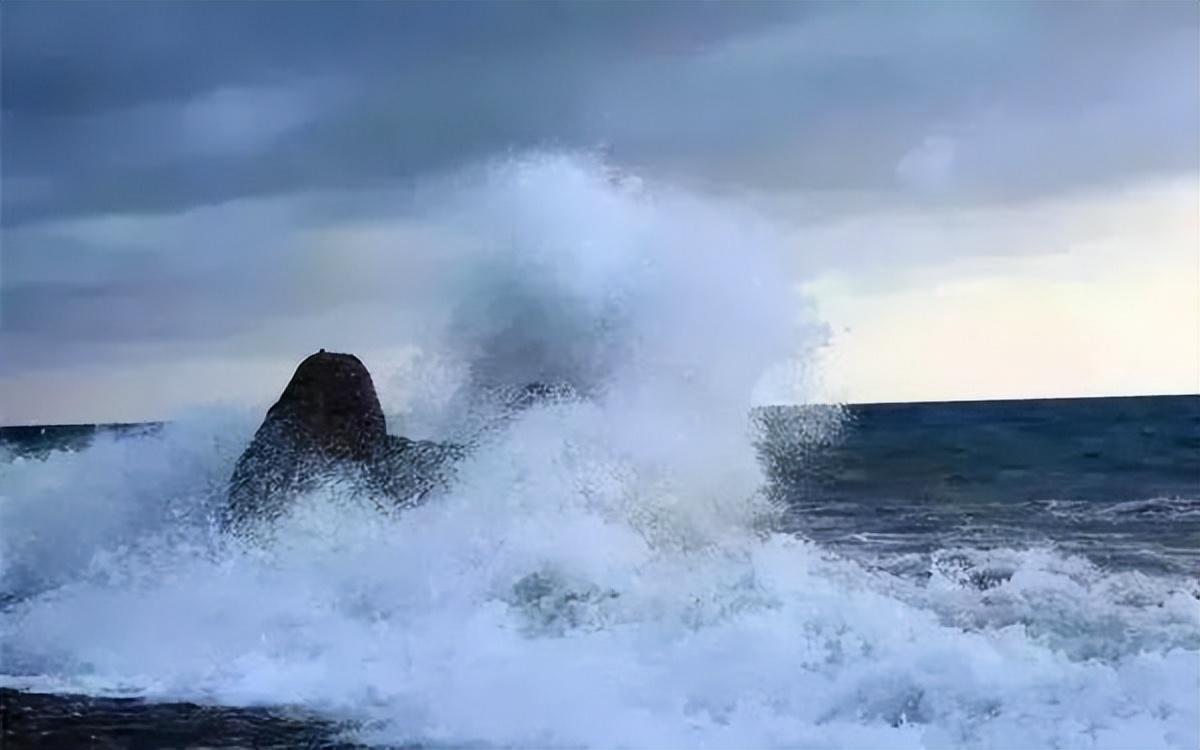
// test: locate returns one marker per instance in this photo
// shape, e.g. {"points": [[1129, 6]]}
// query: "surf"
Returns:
{"points": [[608, 570]]}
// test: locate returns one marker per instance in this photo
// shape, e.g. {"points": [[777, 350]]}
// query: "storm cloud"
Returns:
{"points": [[128, 107], [161, 162]]}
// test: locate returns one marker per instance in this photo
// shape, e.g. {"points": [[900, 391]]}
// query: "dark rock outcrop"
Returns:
{"points": [[328, 424]]}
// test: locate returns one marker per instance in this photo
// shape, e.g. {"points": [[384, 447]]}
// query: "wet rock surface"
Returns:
{"points": [[328, 424], [42, 720]]}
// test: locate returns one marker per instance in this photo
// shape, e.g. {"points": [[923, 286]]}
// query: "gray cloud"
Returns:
{"points": [[96, 95], [164, 164], [157, 107]]}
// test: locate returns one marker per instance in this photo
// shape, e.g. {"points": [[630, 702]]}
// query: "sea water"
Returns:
{"points": [[656, 562]]}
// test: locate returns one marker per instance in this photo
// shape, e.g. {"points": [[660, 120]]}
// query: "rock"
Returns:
{"points": [[328, 424]]}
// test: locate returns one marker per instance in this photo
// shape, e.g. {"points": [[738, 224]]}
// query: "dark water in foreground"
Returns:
{"points": [[904, 488]]}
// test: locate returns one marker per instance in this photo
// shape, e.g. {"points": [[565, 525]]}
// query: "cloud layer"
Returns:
{"points": [[117, 107], [237, 179]]}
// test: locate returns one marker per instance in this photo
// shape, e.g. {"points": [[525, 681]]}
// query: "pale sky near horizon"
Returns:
{"points": [[988, 200]]}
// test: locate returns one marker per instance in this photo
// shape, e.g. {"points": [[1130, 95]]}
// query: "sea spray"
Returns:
{"points": [[603, 572]]}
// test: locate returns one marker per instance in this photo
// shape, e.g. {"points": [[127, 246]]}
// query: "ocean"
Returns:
{"points": [[1009, 574]]}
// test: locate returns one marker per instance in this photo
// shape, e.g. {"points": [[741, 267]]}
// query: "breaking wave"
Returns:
{"points": [[605, 570]]}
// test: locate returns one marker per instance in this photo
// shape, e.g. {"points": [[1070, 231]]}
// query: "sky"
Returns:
{"points": [[978, 200]]}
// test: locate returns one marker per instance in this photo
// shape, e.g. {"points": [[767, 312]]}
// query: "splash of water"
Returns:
{"points": [[603, 571]]}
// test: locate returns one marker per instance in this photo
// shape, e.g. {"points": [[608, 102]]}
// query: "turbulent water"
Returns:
{"points": [[1115, 480], [653, 564]]}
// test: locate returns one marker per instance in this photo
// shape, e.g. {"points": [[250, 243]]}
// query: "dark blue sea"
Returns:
{"points": [[1008, 574], [1114, 479]]}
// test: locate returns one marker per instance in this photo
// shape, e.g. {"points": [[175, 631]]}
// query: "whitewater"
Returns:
{"points": [[607, 569]]}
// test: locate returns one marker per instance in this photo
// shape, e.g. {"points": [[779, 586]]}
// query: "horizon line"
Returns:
{"points": [[1002, 399]]}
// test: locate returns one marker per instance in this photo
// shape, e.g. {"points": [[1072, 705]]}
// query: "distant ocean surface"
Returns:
{"points": [[983, 574], [1114, 479]]}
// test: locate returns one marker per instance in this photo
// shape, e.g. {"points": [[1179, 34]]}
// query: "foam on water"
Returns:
{"points": [[603, 571]]}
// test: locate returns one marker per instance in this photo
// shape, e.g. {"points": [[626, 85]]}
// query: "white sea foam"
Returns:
{"points": [[602, 572]]}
